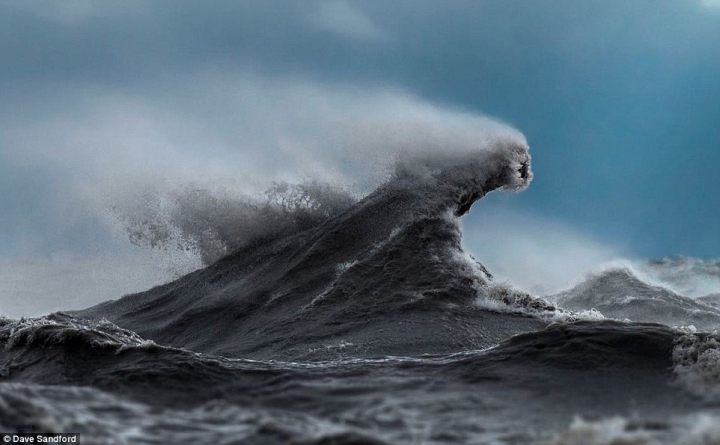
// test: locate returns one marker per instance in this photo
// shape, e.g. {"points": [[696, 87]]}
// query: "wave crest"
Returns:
{"points": [[217, 223]]}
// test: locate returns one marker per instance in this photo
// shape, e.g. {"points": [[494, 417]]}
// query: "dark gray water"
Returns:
{"points": [[373, 326]]}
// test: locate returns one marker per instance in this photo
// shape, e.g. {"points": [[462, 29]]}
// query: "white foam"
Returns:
{"points": [[699, 428], [696, 359], [610, 431], [506, 298], [57, 328], [61, 409]]}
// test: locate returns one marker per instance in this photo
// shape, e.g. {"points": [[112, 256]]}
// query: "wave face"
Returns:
{"points": [[386, 276], [367, 323]]}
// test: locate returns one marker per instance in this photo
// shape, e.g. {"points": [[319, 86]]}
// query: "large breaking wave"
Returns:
{"points": [[290, 288], [217, 222], [324, 317]]}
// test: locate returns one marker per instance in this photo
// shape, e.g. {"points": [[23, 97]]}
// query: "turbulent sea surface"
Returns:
{"points": [[372, 325]]}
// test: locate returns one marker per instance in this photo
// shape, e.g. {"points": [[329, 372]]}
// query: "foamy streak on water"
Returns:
{"points": [[58, 409], [691, 429], [610, 431]]}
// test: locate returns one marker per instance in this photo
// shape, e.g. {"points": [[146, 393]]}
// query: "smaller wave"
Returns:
{"points": [[591, 345], [59, 328], [620, 294]]}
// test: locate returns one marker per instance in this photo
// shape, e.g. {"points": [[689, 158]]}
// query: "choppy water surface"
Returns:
{"points": [[369, 324]]}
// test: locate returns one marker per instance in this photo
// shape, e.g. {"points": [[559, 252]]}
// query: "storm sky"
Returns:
{"points": [[102, 101]]}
